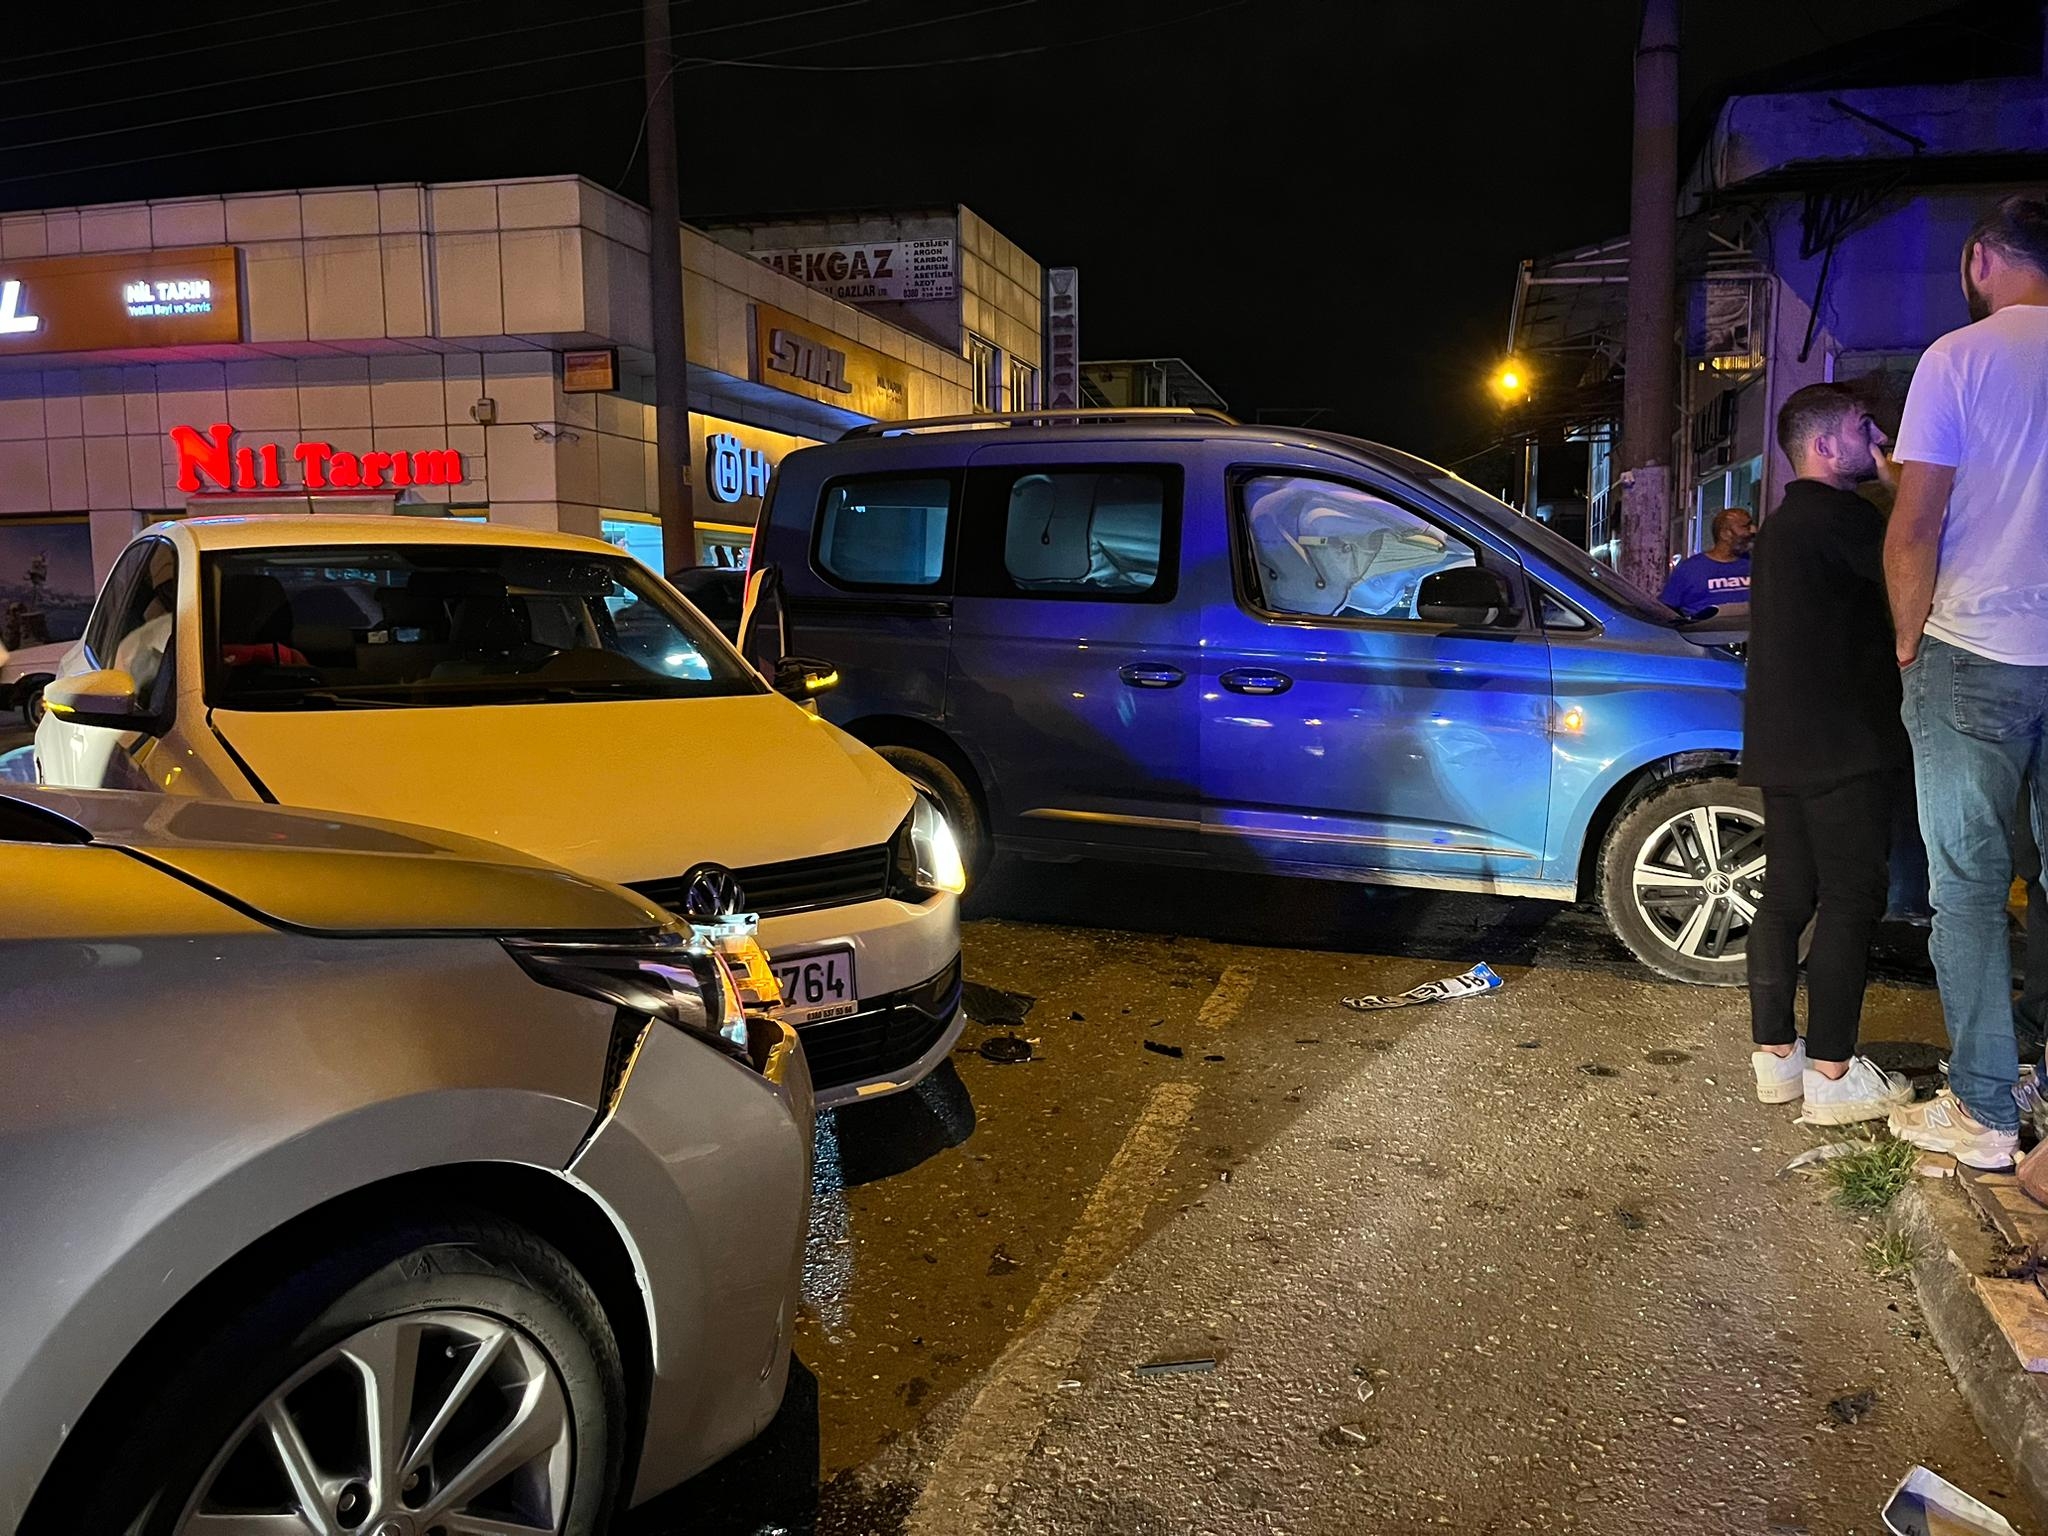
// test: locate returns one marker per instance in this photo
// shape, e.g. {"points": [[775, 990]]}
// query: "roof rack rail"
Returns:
{"points": [[1043, 418]]}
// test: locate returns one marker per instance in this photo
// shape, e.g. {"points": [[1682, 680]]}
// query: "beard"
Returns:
{"points": [[1980, 306]]}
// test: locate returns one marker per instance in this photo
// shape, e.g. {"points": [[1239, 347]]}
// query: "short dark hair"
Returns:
{"points": [[1727, 514], [2017, 228], [1808, 412]]}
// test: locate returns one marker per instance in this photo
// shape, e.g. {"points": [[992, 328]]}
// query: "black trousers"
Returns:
{"points": [[1830, 865]]}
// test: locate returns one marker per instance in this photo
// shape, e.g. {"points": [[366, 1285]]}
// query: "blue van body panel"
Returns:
{"points": [[1179, 723]]}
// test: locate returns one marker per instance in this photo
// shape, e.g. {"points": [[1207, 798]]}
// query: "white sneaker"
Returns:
{"points": [[1942, 1124], [1864, 1092], [1778, 1078]]}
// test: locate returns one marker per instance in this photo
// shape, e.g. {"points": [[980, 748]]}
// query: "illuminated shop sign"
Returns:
{"points": [[120, 301], [868, 271], [181, 296], [737, 471], [12, 321], [258, 468], [805, 359]]}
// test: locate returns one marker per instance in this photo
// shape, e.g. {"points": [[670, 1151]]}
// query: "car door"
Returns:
{"points": [[875, 599], [130, 631], [1342, 731], [1074, 657]]}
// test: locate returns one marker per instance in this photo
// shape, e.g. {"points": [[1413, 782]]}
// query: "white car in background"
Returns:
{"points": [[546, 692], [22, 676]]}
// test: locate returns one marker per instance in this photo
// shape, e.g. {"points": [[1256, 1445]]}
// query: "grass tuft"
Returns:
{"points": [[1871, 1179], [1892, 1256]]}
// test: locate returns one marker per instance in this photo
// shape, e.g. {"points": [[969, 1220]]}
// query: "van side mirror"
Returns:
{"points": [[804, 677], [1467, 597], [105, 697]]}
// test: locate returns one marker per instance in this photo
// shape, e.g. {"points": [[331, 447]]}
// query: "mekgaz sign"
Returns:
{"points": [[102, 302]]}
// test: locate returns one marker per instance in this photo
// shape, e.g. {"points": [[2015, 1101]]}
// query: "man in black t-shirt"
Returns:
{"points": [[1823, 739]]}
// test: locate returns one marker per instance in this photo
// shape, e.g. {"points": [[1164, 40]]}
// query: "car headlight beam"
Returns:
{"points": [[927, 855]]}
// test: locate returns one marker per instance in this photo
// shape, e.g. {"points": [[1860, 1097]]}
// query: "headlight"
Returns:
{"points": [[927, 857], [671, 980]]}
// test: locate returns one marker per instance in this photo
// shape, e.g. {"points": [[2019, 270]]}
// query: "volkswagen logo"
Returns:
{"points": [[711, 891]]}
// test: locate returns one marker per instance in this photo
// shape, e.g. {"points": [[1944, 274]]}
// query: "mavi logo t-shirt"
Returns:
{"points": [[1700, 581]]}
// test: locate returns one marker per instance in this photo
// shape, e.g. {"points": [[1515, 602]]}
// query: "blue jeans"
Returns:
{"points": [[1978, 728]]}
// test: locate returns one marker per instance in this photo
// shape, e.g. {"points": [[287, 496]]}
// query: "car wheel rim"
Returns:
{"points": [[1698, 879], [429, 1424]]}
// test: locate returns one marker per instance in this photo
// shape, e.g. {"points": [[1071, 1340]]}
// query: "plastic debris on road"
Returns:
{"points": [[1006, 1049], [1925, 1504], [994, 1007], [1164, 1050], [1175, 1367], [1813, 1159], [1451, 989]]}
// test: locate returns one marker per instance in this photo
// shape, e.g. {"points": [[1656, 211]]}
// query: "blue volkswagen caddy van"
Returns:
{"points": [[1171, 638]]}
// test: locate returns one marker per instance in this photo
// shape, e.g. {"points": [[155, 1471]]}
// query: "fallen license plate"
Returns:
{"points": [[816, 986]]}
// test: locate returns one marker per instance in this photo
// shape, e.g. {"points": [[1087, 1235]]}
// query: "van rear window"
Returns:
{"points": [[887, 531]]}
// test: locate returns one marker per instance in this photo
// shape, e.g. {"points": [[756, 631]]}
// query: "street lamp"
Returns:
{"points": [[1511, 381]]}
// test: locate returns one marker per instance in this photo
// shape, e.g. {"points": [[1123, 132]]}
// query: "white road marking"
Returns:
{"points": [[989, 1444], [1233, 991]]}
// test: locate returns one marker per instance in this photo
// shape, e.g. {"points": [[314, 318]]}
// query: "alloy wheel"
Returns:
{"points": [[425, 1424], [1698, 880]]}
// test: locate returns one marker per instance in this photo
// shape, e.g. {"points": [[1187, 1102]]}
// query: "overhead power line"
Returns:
{"points": [[190, 26], [426, 113], [101, 64]]}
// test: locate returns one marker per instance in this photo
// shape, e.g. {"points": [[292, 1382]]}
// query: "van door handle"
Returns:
{"points": [[1259, 684], [1147, 674]]}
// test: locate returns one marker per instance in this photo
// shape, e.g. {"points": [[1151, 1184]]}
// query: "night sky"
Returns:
{"points": [[1318, 205]]}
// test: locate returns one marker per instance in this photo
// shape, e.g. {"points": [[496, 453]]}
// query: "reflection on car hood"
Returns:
{"points": [[1718, 626], [348, 875], [626, 790]]}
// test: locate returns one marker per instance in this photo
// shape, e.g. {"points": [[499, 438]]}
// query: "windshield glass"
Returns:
{"points": [[421, 624], [1556, 548]]}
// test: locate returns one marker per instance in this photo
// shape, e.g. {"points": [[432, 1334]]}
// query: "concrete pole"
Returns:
{"points": [[1648, 425], [665, 276], [1529, 475]]}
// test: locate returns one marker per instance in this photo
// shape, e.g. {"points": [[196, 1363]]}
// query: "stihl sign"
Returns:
{"points": [[258, 467]]}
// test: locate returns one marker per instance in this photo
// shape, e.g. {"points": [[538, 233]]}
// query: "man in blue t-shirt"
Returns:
{"points": [[1717, 577]]}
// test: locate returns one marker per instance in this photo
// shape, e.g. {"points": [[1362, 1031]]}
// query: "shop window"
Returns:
{"points": [[1086, 533], [1324, 550], [986, 361], [1023, 386], [886, 531], [639, 539], [46, 580]]}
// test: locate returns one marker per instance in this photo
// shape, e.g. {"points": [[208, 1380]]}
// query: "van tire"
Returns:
{"points": [[1645, 831], [963, 811]]}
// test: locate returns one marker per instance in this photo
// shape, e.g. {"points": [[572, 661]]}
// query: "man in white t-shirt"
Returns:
{"points": [[1966, 559]]}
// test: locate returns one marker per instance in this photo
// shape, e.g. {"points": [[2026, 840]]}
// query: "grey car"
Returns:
{"points": [[358, 1178]]}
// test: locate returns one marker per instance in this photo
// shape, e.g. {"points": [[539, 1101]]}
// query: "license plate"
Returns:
{"points": [[816, 986]]}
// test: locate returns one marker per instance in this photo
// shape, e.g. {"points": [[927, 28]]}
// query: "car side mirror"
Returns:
{"points": [[804, 677], [1467, 597], [105, 697]]}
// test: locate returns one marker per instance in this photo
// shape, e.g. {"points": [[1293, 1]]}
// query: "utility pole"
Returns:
{"points": [[665, 274], [1646, 425]]}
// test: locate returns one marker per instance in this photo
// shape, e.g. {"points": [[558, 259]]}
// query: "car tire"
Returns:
{"points": [[963, 811], [32, 706], [1694, 926], [190, 1426]]}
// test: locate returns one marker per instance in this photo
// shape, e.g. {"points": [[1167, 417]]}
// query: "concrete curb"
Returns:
{"points": [[2010, 1404]]}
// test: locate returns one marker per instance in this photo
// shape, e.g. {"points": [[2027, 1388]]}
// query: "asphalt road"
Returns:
{"points": [[1513, 1263]]}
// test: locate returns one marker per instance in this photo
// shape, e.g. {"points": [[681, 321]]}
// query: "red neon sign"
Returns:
{"points": [[257, 468]]}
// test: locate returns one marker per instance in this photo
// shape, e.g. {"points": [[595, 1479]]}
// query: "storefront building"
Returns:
{"points": [[1820, 234], [945, 274], [478, 349]]}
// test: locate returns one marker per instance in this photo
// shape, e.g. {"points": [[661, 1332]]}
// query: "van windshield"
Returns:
{"points": [[1554, 547], [423, 625]]}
